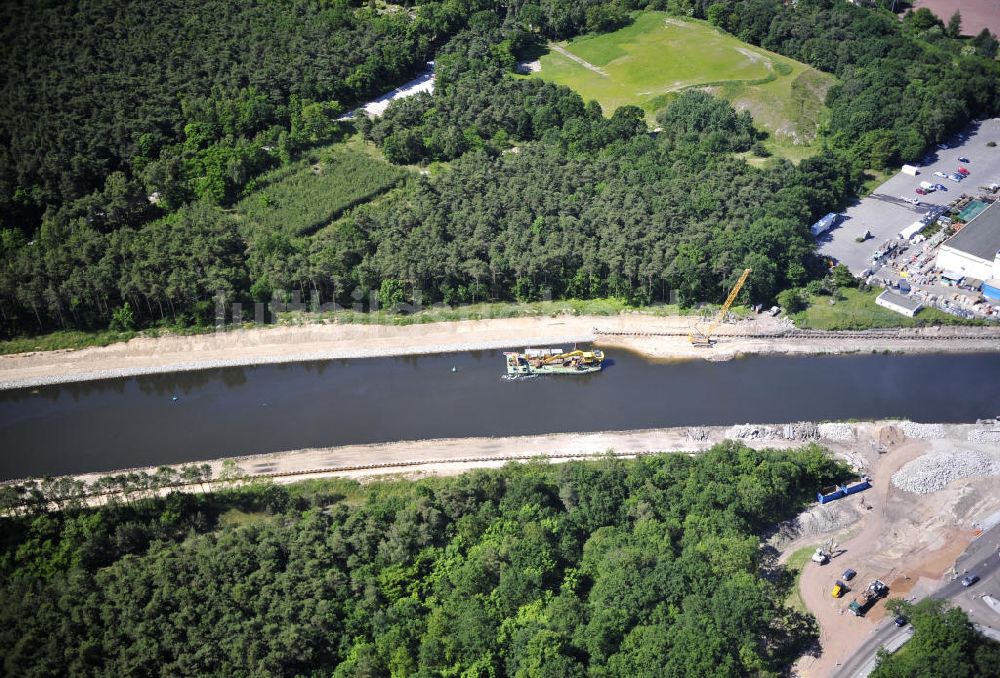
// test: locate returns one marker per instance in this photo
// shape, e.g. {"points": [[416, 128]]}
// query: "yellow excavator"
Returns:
{"points": [[704, 339], [584, 357]]}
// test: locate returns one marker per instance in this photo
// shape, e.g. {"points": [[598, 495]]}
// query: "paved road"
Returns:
{"points": [[980, 558], [885, 213]]}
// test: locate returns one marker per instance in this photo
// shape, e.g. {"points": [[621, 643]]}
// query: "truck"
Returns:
{"points": [[876, 589], [825, 224], [927, 186]]}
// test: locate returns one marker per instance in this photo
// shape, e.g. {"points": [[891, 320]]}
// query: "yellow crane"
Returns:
{"points": [[705, 338]]}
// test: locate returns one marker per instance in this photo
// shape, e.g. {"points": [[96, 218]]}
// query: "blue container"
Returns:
{"points": [[828, 494], [855, 486]]}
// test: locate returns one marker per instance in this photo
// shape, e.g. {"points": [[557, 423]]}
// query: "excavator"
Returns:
{"points": [[704, 339], [553, 361], [576, 356]]}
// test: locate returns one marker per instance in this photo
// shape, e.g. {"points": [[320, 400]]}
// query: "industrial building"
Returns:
{"points": [[898, 303], [974, 252]]}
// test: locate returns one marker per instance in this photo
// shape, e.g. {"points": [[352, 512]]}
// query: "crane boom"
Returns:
{"points": [[706, 337]]}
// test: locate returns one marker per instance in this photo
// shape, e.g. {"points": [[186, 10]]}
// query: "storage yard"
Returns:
{"points": [[930, 233], [933, 495]]}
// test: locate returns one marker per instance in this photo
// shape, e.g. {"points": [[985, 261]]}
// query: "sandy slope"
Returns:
{"points": [[332, 341]]}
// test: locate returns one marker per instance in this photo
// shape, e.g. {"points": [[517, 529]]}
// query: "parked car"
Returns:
{"points": [[921, 191], [962, 158], [849, 574], [941, 187], [969, 580], [838, 589], [940, 174], [944, 147], [957, 178], [899, 621], [963, 171]]}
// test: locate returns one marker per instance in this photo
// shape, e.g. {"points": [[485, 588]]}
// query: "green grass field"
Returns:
{"points": [[858, 311], [303, 197], [648, 62]]}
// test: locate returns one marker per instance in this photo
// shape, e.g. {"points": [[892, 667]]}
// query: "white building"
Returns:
{"points": [[974, 252], [898, 303]]}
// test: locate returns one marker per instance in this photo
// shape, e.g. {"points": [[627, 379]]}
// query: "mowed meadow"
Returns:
{"points": [[657, 56]]}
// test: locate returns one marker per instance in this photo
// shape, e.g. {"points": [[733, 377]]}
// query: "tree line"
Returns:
{"points": [[640, 567], [34, 497], [623, 214]]}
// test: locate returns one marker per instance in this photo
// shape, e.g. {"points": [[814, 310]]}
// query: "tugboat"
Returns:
{"points": [[553, 361]]}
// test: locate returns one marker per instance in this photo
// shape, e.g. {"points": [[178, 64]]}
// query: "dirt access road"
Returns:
{"points": [[662, 337], [908, 541]]}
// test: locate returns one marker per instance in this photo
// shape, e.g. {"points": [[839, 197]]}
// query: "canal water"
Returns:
{"points": [[187, 416]]}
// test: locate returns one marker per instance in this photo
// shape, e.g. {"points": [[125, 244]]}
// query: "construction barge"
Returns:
{"points": [[553, 361]]}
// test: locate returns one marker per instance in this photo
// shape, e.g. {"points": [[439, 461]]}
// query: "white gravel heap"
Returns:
{"points": [[753, 432], [803, 430], [914, 430], [933, 472], [979, 435], [836, 431], [698, 432]]}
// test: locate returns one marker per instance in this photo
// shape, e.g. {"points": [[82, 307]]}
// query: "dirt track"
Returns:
{"points": [[657, 337]]}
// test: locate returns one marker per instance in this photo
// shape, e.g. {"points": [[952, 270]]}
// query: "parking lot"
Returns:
{"points": [[907, 265], [885, 212]]}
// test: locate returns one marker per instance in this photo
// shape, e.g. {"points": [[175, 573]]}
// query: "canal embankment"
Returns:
{"points": [[183, 417], [658, 337]]}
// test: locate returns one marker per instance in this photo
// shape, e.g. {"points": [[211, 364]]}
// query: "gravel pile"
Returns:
{"points": [[981, 435], [802, 430], [836, 431], [934, 471], [698, 432], [753, 432], [914, 430]]}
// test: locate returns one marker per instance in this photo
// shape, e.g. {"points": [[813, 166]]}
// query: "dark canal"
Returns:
{"points": [[172, 418]]}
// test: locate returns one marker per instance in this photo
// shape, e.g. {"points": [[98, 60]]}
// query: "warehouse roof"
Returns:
{"points": [[981, 236], [903, 302]]}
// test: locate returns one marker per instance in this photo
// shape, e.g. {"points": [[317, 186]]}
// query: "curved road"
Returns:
{"points": [[981, 558]]}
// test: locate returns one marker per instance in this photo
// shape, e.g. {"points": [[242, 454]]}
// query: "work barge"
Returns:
{"points": [[553, 361]]}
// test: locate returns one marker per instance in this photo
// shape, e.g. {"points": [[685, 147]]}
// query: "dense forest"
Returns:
{"points": [[129, 190], [645, 567]]}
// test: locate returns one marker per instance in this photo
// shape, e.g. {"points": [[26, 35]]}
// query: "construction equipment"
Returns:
{"points": [[862, 603], [824, 552], [705, 338], [553, 361]]}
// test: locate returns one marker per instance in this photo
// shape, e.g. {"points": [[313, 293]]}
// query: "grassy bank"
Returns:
{"points": [[487, 311], [63, 340], [857, 310], [596, 307], [796, 563]]}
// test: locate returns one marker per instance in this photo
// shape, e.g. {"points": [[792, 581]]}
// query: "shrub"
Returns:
{"points": [[792, 300]]}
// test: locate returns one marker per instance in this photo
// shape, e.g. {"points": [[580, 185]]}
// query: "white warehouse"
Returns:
{"points": [[975, 250]]}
